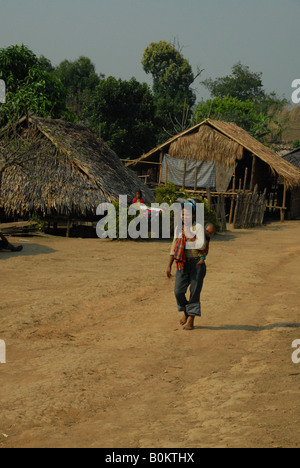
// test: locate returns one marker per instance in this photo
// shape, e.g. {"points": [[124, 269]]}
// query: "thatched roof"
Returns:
{"points": [[69, 171], [224, 143], [293, 157]]}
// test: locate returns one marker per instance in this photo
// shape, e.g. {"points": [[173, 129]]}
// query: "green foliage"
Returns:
{"points": [[296, 144], [30, 88], [122, 112], [245, 86], [171, 72], [243, 113], [80, 80], [172, 80], [15, 65], [38, 223], [229, 109], [241, 84], [170, 193]]}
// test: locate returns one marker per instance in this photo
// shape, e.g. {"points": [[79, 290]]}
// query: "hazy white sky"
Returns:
{"points": [[215, 34]]}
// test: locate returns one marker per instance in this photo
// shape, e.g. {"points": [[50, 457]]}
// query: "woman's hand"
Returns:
{"points": [[169, 270], [200, 262]]}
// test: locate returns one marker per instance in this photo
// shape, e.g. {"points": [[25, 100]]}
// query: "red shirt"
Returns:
{"points": [[136, 200]]}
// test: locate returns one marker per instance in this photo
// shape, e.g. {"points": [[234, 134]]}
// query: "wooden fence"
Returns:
{"points": [[249, 209], [246, 210]]}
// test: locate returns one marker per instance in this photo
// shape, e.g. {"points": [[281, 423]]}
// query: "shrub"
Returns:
{"points": [[170, 193]]}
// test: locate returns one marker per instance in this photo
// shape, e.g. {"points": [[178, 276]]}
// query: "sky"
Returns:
{"points": [[214, 35]]}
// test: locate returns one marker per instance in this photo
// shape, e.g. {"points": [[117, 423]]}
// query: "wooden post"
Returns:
{"points": [[282, 210], [232, 199], [245, 179], [247, 206], [208, 196], [166, 174], [184, 174], [237, 205], [252, 173], [231, 209], [263, 206], [68, 227], [196, 178], [160, 169]]}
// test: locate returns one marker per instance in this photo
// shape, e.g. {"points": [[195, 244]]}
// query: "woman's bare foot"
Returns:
{"points": [[190, 324], [184, 319]]}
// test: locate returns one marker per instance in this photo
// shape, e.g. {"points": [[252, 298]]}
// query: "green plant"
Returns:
{"points": [[296, 144], [170, 193], [37, 223]]}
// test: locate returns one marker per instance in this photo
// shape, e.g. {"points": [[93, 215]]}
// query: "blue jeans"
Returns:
{"points": [[192, 275]]}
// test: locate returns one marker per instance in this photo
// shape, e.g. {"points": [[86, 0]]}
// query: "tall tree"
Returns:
{"points": [[172, 80], [229, 109], [80, 80], [241, 84], [30, 88], [244, 85], [122, 112]]}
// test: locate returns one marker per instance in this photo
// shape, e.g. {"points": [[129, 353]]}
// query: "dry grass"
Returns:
{"points": [[69, 172], [222, 142]]}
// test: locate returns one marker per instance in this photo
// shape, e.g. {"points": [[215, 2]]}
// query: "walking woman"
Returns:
{"points": [[190, 265]]}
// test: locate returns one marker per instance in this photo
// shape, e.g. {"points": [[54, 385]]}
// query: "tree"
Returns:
{"points": [[30, 88], [122, 113], [172, 80], [15, 64], [229, 109], [244, 85], [241, 84], [80, 80], [243, 113]]}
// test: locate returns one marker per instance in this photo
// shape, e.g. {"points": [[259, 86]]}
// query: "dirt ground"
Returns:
{"points": [[96, 356]]}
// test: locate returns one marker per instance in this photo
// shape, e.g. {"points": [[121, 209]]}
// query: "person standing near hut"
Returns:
{"points": [[5, 245], [190, 266], [138, 198]]}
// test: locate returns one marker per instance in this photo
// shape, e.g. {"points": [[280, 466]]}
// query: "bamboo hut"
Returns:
{"points": [[224, 157], [293, 196], [60, 171]]}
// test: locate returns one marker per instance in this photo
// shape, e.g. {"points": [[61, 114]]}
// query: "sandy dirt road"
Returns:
{"points": [[96, 356]]}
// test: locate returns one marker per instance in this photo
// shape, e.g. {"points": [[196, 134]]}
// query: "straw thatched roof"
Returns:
{"points": [[293, 157], [223, 143], [68, 170]]}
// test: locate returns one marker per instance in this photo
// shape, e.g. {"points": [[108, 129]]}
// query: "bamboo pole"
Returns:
{"points": [[231, 210], [282, 211], [160, 169], [208, 196], [196, 177], [252, 173], [232, 200], [184, 174], [68, 228], [245, 179], [166, 174], [237, 205]]}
